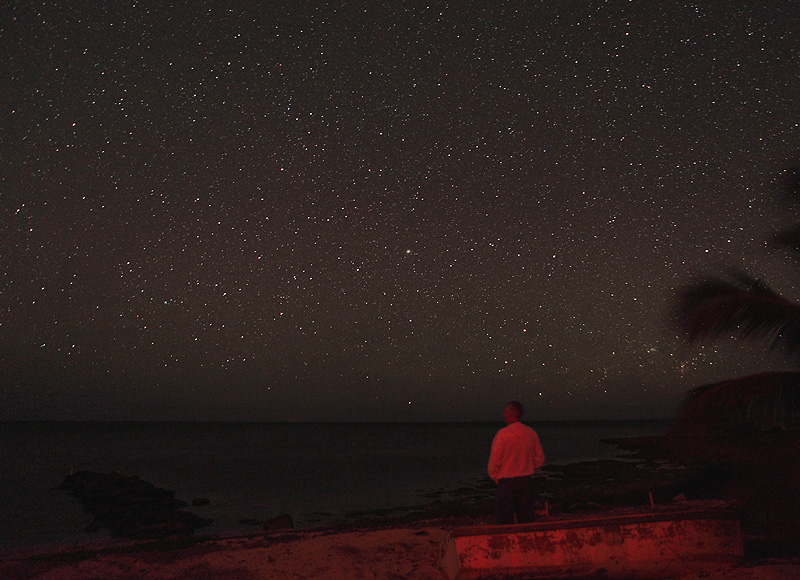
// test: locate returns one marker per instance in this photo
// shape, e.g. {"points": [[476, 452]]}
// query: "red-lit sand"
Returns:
{"points": [[390, 554]]}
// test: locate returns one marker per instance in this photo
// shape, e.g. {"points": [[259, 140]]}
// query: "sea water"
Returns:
{"points": [[319, 473]]}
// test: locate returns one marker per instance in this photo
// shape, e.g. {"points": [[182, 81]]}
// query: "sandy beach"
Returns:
{"points": [[378, 554], [391, 553]]}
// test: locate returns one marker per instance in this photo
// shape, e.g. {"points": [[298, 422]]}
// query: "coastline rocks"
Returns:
{"points": [[281, 522], [130, 507]]}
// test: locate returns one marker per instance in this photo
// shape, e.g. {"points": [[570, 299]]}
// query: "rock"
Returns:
{"points": [[130, 507], [281, 522], [198, 501]]}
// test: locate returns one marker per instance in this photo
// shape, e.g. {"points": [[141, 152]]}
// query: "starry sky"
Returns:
{"points": [[383, 211]]}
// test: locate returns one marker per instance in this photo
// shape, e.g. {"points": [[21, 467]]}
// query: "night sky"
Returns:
{"points": [[383, 211]]}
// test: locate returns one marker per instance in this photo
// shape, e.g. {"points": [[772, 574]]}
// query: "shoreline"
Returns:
{"points": [[256, 472], [470, 504], [381, 544]]}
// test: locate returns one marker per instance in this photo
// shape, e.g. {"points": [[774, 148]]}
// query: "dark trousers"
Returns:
{"points": [[515, 497]]}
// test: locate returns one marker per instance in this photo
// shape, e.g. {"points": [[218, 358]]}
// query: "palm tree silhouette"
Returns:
{"points": [[745, 307]]}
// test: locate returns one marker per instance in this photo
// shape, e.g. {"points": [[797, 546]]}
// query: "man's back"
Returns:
{"points": [[516, 452]]}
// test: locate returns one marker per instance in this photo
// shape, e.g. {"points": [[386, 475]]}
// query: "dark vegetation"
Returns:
{"points": [[744, 306], [744, 433]]}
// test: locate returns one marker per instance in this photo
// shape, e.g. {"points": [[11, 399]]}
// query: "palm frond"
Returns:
{"points": [[788, 239], [790, 179], [745, 308], [766, 401]]}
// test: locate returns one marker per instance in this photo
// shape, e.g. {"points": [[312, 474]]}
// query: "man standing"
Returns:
{"points": [[516, 455]]}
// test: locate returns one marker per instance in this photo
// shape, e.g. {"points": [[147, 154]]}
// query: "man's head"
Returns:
{"points": [[513, 412]]}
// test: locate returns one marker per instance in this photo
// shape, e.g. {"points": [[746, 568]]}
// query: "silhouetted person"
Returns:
{"points": [[516, 455]]}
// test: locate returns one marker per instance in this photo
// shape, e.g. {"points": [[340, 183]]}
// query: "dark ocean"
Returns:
{"points": [[319, 473]]}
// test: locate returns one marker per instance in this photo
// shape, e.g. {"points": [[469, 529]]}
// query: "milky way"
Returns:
{"points": [[309, 211]]}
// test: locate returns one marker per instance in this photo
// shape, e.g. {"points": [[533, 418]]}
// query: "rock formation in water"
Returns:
{"points": [[130, 507]]}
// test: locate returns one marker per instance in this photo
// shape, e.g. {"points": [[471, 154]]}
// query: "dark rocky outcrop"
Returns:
{"points": [[281, 522], [130, 507]]}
